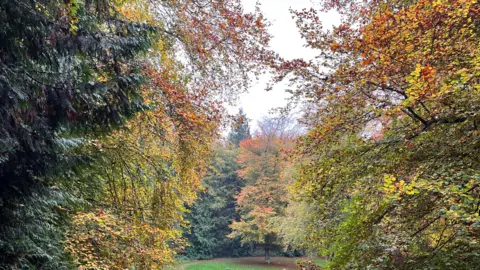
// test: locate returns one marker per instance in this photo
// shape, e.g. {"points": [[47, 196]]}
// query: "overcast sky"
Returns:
{"points": [[287, 42]]}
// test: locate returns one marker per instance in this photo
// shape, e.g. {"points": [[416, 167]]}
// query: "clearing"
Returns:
{"points": [[250, 263]]}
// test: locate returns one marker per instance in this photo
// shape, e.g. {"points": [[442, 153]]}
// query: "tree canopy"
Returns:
{"points": [[389, 162], [264, 196]]}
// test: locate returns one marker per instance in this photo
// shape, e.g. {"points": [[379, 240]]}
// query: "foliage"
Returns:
{"points": [[307, 265], [31, 237], [150, 171], [99, 240], [212, 214], [147, 173], [390, 160], [293, 226], [55, 81], [66, 70], [264, 195], [115, 103], [216, 42], [240, 129]]}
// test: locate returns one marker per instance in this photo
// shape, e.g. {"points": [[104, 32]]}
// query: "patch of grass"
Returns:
{"points": [[321, 262], [221, 266], [247, 263]]}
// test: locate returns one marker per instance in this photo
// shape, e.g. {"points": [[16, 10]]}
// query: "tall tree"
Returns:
{"points": [[264, 195], [150, 172], [240, 129], [390, 161], [142, 178], [215, 210], [67, 69]]}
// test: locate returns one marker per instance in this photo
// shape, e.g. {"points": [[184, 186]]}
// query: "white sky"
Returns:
{"points": [[288, 43]]}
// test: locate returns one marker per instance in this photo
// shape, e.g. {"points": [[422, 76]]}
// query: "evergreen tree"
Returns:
{"points": [[240, 129], [66, 71], [215, 210], [213, 213]]}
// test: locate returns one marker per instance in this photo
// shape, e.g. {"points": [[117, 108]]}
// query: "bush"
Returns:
{"points": [[307, 265]]}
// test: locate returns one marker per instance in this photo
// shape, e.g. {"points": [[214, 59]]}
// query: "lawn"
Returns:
{"points": [[221, 266], [250, 263]]}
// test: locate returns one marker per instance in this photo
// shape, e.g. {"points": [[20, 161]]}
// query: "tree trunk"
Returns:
{"points": [[267, 253]]}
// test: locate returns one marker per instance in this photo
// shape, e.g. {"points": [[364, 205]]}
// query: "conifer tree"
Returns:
{"points": [[240, 129], [67, 69], [213, 213]]}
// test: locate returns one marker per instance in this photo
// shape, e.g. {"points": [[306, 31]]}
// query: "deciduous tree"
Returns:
{"points": [[264, 195], [390, 160]]}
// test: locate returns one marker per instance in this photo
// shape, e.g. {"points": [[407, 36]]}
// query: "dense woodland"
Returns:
{"points": [[112, 154]]}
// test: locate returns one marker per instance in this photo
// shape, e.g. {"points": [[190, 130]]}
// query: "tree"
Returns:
{"points": [[240, 129], [141, 181], [264, 195], [293, 227], [67, 69], [390, 158], [212, 214]]}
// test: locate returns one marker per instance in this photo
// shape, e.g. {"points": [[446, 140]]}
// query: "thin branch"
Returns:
{"points": [[425, 226]]}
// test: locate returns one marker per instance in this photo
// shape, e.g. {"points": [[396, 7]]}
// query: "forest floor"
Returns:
{"points": [[250, 263]]}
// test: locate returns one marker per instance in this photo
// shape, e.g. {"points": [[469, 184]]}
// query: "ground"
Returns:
{"points": [[250, 263]]}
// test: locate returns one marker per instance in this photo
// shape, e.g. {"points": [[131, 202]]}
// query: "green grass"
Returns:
{"points": [[247, 263], [221, 266], [321, 262]]}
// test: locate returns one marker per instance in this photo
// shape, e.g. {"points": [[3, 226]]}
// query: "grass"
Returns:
{"points": [[247, 263], [321, 262], [221, 266]]}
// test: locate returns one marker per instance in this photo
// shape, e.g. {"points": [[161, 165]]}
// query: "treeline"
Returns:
{"points": [[108, 112], [243, 209]]}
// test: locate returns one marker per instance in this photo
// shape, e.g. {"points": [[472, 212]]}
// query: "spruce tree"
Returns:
{"points": [[213, 213], [66, 73], [240, 129]]}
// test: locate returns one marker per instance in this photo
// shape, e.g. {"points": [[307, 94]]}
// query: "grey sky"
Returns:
{"points": [[287, 42]]}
